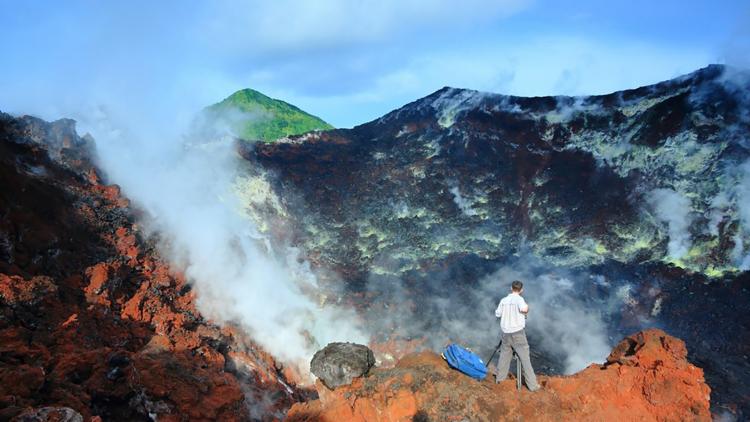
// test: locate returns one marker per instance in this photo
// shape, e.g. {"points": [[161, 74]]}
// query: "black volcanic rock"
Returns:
{"points": [[568, 177], [338, 364], [58, 139]]}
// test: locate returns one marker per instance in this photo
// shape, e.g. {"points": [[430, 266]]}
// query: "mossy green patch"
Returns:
{"points": [[257, 117]]}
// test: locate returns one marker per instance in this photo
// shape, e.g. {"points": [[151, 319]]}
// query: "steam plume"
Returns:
{"points": [[561, 322], [673, 209], [187, 194]]}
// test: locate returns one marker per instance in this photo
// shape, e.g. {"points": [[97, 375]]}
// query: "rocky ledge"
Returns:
{"points": [[646, 377]]}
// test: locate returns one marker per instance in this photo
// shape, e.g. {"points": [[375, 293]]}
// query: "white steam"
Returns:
{"points": [[558, 319], [561, 322], [674, 209], [188, 198], [462, 203], [215, 124], [740, 254]]}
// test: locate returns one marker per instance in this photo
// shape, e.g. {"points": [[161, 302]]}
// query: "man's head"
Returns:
{"points": [[516, 286]]}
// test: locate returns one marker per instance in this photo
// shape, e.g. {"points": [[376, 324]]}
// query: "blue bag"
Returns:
{"points": [[465, 361]]}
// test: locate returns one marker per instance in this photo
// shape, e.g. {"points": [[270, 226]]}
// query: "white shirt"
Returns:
{"points": [[509, 311]]}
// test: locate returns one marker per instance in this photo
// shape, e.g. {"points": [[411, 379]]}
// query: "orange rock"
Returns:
{"points": [[92, 177], [126, 244], [647, 377], [95, 291], [390, 351], [157, 344], [16, 290], [111, 192], [71, 319]]}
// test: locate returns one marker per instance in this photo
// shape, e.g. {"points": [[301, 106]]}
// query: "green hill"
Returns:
{"points": [[254, 116]]}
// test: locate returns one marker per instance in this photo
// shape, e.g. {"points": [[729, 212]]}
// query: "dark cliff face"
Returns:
{"points": [[569, 177], [638, 194], [91, 318]]}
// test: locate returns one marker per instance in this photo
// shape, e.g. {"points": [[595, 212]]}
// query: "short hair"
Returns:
{"points": [[516, 286]]}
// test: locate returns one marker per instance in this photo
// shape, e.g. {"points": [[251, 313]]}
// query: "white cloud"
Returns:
{"points": [[538, 66], [348, 62], [256, 27]]}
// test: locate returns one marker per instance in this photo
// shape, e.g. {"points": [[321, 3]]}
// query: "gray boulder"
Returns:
{"points": [[338, 364]]}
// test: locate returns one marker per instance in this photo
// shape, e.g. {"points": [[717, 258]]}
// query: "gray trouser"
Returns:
{"points": [[516, 341]]}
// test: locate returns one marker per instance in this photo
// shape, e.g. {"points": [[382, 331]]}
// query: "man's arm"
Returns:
{"points": [[523, 307], [499, 311]]}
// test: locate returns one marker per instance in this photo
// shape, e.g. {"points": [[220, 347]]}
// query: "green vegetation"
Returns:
{"points": [[254, 116]]}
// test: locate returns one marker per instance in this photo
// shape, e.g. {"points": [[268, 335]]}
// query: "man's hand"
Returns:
{"points": [[524, 309]]}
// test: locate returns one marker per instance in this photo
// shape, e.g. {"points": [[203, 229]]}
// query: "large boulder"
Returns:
{"points": [[338, 364]]}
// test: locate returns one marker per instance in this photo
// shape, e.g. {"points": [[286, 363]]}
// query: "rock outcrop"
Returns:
{"points": [[568, 177], [646, 377], [94, 325], [338, 364]]}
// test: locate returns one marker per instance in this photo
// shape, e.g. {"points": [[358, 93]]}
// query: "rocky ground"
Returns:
{"points": [[646, 377], [91, 318]]}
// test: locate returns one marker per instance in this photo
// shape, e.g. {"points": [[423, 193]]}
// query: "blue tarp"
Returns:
{"points": [[465, 361]]}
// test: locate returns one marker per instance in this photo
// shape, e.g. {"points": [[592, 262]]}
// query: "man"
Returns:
{"points": [[512, 312]]}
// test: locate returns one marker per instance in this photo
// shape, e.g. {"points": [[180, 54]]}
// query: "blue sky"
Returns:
{"points": [[346, 61]]}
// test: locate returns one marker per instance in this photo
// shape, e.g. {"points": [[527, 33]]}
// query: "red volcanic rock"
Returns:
{"points": [[126, 243], [92, 319], [647, 377], [109, 192], [95, 292], [389, 351], [15, 290]]}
